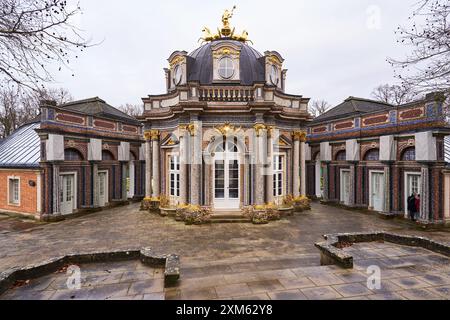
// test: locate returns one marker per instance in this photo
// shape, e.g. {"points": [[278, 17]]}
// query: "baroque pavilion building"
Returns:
{"points": [[225, 134]]}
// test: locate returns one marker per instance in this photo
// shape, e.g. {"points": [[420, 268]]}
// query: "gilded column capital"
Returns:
{"points": [[259, 128], [299, 136], [270, 131], [192, 129], [151, 135]]}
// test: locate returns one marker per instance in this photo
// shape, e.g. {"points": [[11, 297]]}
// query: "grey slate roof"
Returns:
{"points": [[98, 107], [353, 106], [22, 148], [200, 64]]}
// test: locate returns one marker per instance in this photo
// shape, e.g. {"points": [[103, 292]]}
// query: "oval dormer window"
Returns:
{"points": [[226, 68], [274, 78], [177, 75]]}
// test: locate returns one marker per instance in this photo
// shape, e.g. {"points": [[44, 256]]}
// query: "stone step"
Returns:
{"points": [[229, 218], [243, 220]]}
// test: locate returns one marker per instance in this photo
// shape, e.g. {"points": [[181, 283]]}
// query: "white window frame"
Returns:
{"points": [[10, 203], [106, 185], [177, 172], [275, 172]]}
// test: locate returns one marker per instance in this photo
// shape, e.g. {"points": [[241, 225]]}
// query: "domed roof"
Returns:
{"points": [[250, 63]]}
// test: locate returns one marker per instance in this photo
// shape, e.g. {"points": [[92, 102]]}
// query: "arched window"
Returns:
{"points": [[372, 155], [227, 146], [107, 155], [409, 154], [72, 155], [341, 156]]}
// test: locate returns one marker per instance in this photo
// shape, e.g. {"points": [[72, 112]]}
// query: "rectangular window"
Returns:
{"points": [[174, 176], [14, 191], [278, 168]]}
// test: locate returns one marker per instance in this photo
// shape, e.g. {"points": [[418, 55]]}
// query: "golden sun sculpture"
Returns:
{"points": [[226, 31]]}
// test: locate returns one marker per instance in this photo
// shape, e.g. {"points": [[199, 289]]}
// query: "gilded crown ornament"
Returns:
{"points": [[226, 31]]}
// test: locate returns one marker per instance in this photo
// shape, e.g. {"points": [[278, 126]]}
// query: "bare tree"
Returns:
{"points": [[427, 67], [17, 106], [33, 35], [133, 110], [319, 107], [394, 94]]}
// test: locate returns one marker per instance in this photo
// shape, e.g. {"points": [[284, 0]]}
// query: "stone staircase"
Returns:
{"points": [[229, 217]]}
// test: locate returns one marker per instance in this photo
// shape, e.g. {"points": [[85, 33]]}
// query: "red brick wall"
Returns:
{"points": [[28, 194]]}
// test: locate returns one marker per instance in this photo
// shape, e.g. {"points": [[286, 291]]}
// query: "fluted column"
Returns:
{"points": [[148, 165], [183, 166], [299, 163], [196, 161], [269, 171], [155, 164], [303, 164], [260, 130]]}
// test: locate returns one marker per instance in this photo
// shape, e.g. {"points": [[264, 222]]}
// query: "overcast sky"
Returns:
{"points": [[333, 49]]}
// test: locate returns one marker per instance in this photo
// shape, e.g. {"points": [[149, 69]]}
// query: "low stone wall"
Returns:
{"points": [[149, 257], [331, 254]]}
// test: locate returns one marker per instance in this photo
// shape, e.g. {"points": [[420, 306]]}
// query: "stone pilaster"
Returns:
{"points": [[95, 186], [148, 166], [425, 195], [352, 185], [260, 130], [56, 190], [124, 181], [326, 186], [387, 188]]}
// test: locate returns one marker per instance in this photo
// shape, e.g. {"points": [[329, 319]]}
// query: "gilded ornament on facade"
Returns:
{"points": [[176, 60], [227, 129]]}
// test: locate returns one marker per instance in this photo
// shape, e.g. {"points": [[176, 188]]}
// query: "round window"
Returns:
{"points": [[177, 75], [274, 75], [226, 68]]}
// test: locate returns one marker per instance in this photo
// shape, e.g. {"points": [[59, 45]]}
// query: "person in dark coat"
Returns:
{"points": [[417, 202], [412, 206]]}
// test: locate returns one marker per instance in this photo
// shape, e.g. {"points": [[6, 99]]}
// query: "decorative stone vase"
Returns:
{"points": [[286, 211]]}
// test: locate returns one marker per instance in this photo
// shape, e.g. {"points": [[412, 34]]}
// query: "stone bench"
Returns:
{"points": [[330, 254], [148, 256]]}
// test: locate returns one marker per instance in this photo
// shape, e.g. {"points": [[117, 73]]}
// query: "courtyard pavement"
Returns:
{"points": [[229, 261]]}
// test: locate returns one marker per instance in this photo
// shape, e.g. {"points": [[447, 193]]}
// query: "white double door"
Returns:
{"points": [[67, 197], [226, 181], [377, 191], [102, 188]]}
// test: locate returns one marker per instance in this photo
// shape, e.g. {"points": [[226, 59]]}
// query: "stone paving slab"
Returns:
{"points": [[239, 261]]}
